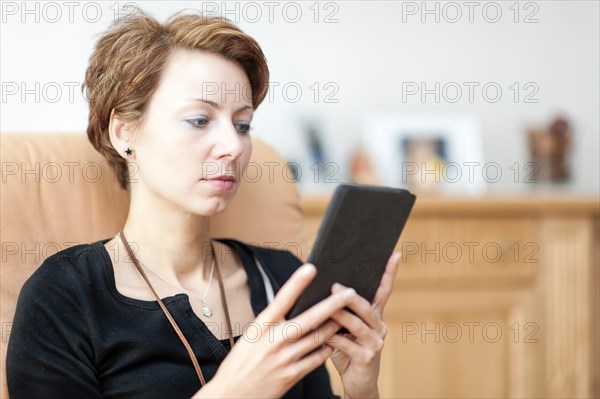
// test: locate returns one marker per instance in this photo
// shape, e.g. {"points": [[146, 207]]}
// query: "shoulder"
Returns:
{"points": [[279, 263], [67, 270]]}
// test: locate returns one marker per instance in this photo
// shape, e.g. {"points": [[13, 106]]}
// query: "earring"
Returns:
{"points": [[128, 151]]}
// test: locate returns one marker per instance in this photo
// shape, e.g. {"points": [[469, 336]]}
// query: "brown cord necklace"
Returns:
{"points": [[168, 314]]}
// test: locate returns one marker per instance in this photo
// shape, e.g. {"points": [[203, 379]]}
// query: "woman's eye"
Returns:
{"points": [[198, 122], [243, 128]]}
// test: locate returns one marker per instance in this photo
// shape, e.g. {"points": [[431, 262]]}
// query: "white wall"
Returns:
{"points": [[369, 53]]}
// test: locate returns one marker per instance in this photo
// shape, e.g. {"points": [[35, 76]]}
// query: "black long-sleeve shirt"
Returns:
{"points": [[75, 336]]}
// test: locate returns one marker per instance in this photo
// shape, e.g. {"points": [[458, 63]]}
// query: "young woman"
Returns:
{"points": [[168, 315]]}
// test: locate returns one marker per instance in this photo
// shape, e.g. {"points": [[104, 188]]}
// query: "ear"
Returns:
{"points": [[121, 135]]}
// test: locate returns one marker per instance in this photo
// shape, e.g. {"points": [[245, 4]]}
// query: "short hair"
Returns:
{"points": [[125, 68]]}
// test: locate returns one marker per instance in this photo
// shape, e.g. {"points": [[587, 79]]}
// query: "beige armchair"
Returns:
{"points": [[57, 191]]}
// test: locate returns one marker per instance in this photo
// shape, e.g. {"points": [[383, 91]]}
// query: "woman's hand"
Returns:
{"points": [[275, 353], [357, 355]]}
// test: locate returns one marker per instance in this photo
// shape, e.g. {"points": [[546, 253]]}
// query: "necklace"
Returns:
{"points": [[168, 314], [206, 310]]}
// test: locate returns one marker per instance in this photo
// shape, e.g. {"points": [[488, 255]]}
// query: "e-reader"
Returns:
{"points": [[358, 234]]}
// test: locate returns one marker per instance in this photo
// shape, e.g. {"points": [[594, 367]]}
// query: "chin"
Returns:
{"points": [[206, 202], [209, 206]]}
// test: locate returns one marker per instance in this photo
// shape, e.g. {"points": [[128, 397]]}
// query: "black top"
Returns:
{"points": [[75, 336]]}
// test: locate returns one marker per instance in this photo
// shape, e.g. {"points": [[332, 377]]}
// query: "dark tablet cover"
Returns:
{"points": [[358, 234]]}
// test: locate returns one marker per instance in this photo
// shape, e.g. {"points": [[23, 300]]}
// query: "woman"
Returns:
{"points": [[174, 103]]}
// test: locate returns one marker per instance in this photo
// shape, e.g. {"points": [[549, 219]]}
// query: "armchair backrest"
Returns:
{"points": [[57, 191]]}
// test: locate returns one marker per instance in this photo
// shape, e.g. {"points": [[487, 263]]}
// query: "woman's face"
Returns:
{"points": [[195, 128]]}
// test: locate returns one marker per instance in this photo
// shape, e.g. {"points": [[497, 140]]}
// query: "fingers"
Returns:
{"points": [[387, 281], [359, 354], [313, 340], [365, 323], [289, 293], [362, 308], [370, 337], [323, 310]]}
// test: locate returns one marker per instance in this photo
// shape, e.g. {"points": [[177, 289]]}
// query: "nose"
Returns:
{"points": [[229, 143]]}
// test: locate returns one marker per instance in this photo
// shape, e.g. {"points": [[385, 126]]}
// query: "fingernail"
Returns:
{"points": [[307, 268], [349, 293]]}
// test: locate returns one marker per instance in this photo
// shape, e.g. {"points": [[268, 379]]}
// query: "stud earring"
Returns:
{"points": [[128, 151]]}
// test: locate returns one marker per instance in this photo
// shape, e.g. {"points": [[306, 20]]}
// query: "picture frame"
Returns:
{"points": [[426, 152]]}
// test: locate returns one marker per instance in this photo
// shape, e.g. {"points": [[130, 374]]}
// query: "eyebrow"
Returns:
{"points": [[218, 106]]}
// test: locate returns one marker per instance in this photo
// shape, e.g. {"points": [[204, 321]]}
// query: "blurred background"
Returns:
{"points": [[487, 110], [357, 86]]}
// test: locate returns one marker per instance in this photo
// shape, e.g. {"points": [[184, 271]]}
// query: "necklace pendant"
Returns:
{"points": [[206, 311]]}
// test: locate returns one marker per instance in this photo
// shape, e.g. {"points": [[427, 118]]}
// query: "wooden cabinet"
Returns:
{"points": [[494, 298]]}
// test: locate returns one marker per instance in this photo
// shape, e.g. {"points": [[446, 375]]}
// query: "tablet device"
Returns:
{"points": [[359, 232]]}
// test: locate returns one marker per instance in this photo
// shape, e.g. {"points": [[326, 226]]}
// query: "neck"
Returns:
{"points": [[168, 240]]}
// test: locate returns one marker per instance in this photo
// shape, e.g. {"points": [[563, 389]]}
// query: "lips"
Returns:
{"points": [[223, 178], [224, 182]]}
